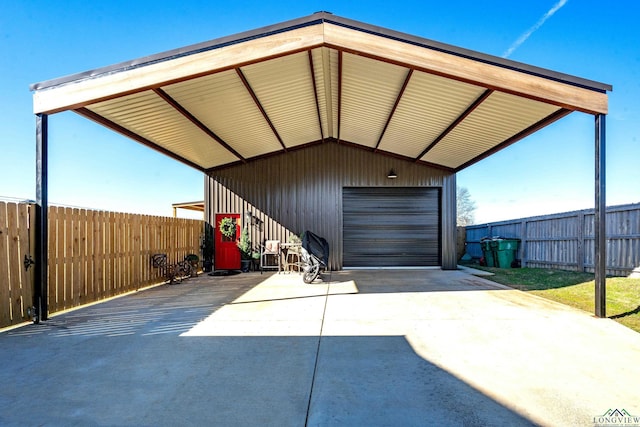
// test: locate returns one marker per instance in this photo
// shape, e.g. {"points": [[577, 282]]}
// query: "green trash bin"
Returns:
{"points": [[506, 251], [488, 253]]}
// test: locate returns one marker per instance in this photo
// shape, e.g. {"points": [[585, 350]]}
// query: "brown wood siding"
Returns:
{"points": [[302, 190]]}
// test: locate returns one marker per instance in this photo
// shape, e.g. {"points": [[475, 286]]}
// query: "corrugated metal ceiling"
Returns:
{"points": [[323, 92]]}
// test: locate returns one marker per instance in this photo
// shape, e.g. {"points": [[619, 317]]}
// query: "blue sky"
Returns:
{"points": [[551, 171]]}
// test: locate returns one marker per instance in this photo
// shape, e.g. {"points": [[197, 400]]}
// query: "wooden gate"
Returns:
{"points": [[17, 222]]}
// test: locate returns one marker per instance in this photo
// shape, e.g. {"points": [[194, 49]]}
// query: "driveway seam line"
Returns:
{"points": [[315, 365]]}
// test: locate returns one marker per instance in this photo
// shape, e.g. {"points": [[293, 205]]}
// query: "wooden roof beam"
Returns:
{"points": [[246, 84], [557, 115], [511, 77], [395, 106], [456, 122], [176, 105], [129, 134], [315, 92]]}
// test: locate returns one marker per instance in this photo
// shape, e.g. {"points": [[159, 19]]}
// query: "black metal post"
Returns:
{"points": [[600, 246], [42, 208]]}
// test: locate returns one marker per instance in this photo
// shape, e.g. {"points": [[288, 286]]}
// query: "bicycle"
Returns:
{"points": [[315, 256]]}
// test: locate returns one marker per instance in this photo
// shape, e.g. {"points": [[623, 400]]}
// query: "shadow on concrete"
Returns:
{"points": [[381, 381], [167, 380], [127, 362]]}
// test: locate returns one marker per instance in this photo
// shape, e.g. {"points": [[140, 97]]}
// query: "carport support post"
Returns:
{"points": [[600, 236], [42, 207]]}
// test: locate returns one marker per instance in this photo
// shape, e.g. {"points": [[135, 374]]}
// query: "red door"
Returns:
{"points": [[227, 254]]}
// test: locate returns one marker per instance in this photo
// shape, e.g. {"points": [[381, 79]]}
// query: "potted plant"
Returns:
{"points": [[244, 245], [294, 238]]}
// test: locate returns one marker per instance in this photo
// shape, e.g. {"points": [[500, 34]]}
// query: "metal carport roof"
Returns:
{"points": [[318, 79]]}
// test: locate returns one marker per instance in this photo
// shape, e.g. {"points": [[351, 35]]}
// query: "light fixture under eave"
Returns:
{"points": [[392, 174]]}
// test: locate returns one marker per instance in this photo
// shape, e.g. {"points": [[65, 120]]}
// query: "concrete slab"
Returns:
{"points": [[424, 347], [486, 357]]}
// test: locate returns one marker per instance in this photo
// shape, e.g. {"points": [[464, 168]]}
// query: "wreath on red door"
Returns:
{"points": [[227, 227]]}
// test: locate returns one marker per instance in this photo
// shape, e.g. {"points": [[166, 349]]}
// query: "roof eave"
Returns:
{"points": [[317, 18]]}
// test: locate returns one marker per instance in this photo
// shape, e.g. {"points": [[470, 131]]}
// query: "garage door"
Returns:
{"points": [[391, 227]]}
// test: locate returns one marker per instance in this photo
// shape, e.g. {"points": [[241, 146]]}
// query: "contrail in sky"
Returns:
{"points": [[523, 38]]}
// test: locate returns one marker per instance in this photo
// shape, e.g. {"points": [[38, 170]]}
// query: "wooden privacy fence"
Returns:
{"points": [[16, 281], [93, 255], [566, 240]]}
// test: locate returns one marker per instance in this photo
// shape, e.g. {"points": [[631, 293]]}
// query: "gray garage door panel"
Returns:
{"points": [[391, 227]]}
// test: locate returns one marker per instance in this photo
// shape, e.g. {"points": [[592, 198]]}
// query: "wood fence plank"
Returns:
{"points": [[128, 243], [149, 246], [126, 250], [149, 250], [117, 255], [68, 257], [5, 300], [61, 263], [62, 260], [98, 251], [104, 226], [32, 252], [136, 252], [83, 255], [51, 252], [58, 237], [25, 299], [76, 283], [120, 253], [15, 262], [89, 256], [111, 277], [56, 260], [580, 242]]}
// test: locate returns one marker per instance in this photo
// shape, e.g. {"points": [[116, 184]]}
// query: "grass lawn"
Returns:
{"points": [[576, 289]]}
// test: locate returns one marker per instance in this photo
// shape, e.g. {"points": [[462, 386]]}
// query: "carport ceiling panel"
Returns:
{"points": [[284, 87], [497, 119], [325, 68], [369, 92], [223, 104], [149, 116], [428, 106]]}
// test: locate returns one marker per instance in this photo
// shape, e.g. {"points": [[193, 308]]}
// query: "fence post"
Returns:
{"points": [[580, 242], [40, 292], [523, 243], [600, 213]]}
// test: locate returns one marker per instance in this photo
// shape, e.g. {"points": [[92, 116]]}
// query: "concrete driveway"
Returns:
{"points": [[370, 348]]}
